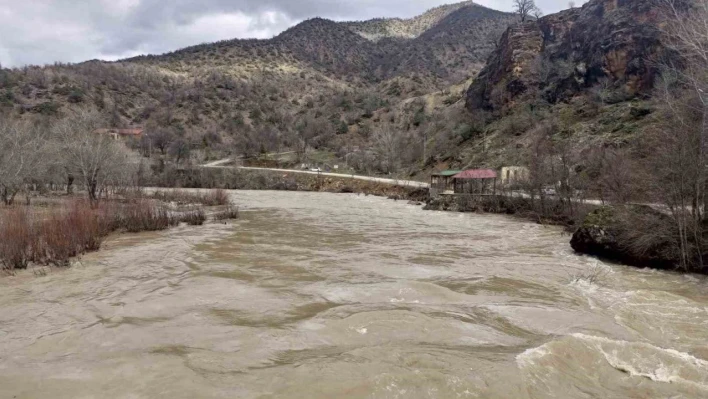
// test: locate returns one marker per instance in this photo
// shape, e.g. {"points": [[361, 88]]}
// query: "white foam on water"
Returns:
{"points": [[652, 362], [531, 356], [599, 297]]}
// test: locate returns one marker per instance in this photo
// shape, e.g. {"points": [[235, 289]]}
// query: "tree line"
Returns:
{"points": [[42, 153]]}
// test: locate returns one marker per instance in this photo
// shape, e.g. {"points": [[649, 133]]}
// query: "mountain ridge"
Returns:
{"points": [[318, 85], [338, 48], [394, 105], [406, 28]]}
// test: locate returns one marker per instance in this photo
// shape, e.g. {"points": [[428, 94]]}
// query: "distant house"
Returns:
{"points": [[118, 133], [513, 175], [475, 181], [441, 182]]}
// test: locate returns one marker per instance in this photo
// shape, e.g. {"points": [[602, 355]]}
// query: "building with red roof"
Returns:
{"points": [[476, 181]]}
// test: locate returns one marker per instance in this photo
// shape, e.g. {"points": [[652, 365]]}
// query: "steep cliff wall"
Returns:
{"points": [[616, 42]]}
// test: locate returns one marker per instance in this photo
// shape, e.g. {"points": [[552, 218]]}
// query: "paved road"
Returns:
{"points": [[405, 183], [217, 164], [395, 182]]}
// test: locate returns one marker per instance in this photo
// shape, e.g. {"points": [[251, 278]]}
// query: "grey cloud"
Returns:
{"points": [[44, 31]]}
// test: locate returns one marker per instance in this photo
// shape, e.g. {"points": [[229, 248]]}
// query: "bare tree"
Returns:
{"points": [[602, 91], [23, 156], [552, 174], [537, 13], [160, 139], [677, 165], [180, 150], [98, 159], [678, 172], [538, 161], [525, 9], [387, 148], [619, 178]]}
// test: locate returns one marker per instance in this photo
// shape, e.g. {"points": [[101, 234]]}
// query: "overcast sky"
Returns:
{"points": [[45, 31]]}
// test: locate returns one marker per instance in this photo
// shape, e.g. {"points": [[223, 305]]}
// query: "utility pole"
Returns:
{"points": [[425, 148]]}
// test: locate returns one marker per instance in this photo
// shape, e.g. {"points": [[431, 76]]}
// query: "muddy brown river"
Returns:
{"points": [[314, 295]]}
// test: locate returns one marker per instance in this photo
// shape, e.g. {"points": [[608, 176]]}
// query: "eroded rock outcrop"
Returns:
{"points": [[564, 53], [619, 235]]}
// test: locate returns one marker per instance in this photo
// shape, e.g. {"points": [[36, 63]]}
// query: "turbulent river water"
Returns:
{"points": [[314, 295]]}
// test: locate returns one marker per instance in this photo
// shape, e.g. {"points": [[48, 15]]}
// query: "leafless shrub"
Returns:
{"points": [[230, 213], [145, 216], [646, 233], [68, 234], [215, 197], [17, 239], [193, 217], [52, 240]]}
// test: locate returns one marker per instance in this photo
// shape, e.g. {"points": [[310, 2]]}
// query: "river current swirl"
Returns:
{"points": [[313, 295]]}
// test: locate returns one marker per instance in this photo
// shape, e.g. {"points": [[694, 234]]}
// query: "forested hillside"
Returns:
{"points": [[353, 90]]}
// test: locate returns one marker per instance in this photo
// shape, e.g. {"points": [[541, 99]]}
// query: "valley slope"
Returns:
{"points": [[337, 87], [383, 96]]}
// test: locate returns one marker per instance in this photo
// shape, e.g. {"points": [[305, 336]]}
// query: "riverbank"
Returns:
{"points": [[576, 219], [250, 179], [56, 230], [631, 235], [552, 212], [636, 235]]}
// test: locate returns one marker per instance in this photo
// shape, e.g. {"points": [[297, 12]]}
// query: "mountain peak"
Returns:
{"points": [[307, 27], [381, 28]]}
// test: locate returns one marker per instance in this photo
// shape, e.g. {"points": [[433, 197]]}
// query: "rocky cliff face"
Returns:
{"points": [[611, 41]]}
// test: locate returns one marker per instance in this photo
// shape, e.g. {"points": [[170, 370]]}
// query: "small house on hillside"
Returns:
{"points": [[514, 175], [118, 133], [441, 182], [475, 182]]}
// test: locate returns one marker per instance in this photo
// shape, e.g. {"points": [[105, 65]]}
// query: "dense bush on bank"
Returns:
{"points": [[29, 236], [550, 211]]}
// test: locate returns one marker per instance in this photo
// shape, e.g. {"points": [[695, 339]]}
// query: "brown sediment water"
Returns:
{"points": [[314, 295]]}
